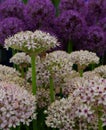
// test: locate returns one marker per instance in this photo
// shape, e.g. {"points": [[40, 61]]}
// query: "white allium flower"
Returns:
{"points": [[83, 58], [20, 58], [31, 42], [101, 70], [5, 70], [81, 108], [17, 106], [59, 64]]}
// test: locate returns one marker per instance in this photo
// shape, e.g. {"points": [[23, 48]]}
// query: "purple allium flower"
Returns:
{"points": [[38, 13], [94, 40], [70, 25], [96, 11], [11, 8], [77, 5], [10, 26]]}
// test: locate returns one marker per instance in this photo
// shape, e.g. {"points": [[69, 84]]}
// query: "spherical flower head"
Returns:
{"points": [[19, 106], [84, 58], [101, 70], [77, 5], [32, 42], [96, 11], [70, 25], [12, 8], [10, 26], [95, 40], [38, 13], [21, 58], [6, 70]]}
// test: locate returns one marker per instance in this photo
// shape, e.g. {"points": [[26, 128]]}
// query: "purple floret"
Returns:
{"points": [[96, 11], [38, 13], [102, 23], [11, 8], [10, 26], [77, 5]]}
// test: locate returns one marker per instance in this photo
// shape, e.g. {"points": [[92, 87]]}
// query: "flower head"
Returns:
{"points": [[10, 26], [38, 13], [32, 42], [94, 40], [20, 58], [96, 11], [19, 106], [12, 8], [84, 58], [77, 5], [70, 25]]}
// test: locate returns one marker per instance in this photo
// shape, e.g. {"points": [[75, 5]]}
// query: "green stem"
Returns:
{"points": [[34, 124], [27, 128], [52, 94], [81, 72], [92, 66], [33, 65], [100, 122], [61, 92], [70, 46]]}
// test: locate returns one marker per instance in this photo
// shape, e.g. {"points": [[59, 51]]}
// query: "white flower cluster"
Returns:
{"points": [[16, 106], [101, 70], [59, 64], [20, 58], [84, 58], [80, 110], [43, 97], [5, 70], [32, 42]]}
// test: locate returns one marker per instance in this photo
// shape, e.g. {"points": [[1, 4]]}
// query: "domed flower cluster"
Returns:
{"points": [[9, 26], [31, 42], [101, 70], [77, 5], [12, 8], [59, 64], [38, 13], [70, 27], [95, 40], [20, 58], [17, 106], [84, 58], [83, 109], [96, 11], [5, 70]]}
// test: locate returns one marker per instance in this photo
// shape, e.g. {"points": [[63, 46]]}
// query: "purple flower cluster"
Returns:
{"points": [[94, 40], [11, 8], [10, 26], [70, 25], [38, 13], [77, 5], [96, 11]]}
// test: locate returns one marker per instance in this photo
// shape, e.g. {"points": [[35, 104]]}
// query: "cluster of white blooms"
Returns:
{"points": [[81, 109], [43, 97], [84, 58], [17, 106], [5, 70], [59, 65], [101, 70], [32, 42], [20, 58]]}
